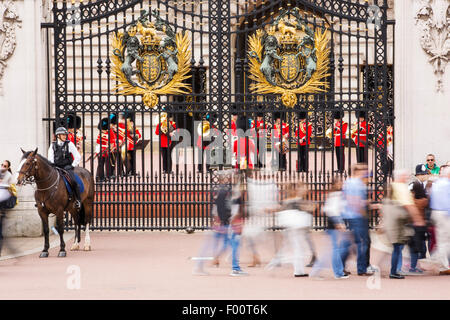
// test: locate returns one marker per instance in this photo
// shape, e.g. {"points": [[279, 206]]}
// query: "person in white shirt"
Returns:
{"points": [[6, 179], [63, 154]]}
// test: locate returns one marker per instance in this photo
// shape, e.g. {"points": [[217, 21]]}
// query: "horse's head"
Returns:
{"points": [[27, 167]]}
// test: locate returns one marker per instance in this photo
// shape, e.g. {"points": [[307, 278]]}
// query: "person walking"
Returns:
{"points": [[440, 215], [398, 212], [355, 195], [237, 221]]}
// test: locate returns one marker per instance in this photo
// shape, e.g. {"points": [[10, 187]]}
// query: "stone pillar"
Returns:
{"points": [[22, 107], [422, 112]]}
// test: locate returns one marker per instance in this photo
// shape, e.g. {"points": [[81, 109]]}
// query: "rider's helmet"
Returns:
{"points": [[61, 130]]}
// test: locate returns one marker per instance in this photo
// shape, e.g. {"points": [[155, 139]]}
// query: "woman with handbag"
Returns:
{"points": [[8, 192], [397, 215]]}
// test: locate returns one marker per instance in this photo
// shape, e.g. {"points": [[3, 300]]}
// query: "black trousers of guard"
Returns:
{"points": [[104, 166], [131, 162], [166, 159], [340, 158], [302, 159], [261, 151], [281, 159], [202, 154], [361, 155]]}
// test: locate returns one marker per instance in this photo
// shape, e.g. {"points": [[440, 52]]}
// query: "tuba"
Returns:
{"points": [[204, 129], [163, 122]]}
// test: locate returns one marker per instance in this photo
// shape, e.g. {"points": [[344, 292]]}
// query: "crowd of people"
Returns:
{"points": [[414, 212]]}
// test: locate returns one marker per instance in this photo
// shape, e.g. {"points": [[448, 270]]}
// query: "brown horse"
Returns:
{"points": [[52, 197]]}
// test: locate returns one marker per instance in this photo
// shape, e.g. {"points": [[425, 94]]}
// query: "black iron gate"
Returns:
{"points": [[135, 188]]}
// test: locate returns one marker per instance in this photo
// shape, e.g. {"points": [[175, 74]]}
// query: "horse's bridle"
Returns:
{"points": [[29, 179]]}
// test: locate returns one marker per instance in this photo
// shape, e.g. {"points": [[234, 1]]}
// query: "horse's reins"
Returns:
{"points": [[31, 181]]}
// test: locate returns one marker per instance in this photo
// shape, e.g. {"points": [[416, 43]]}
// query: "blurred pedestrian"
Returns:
{"points": [[237, 222], [8, 195], [398, 212], [355, 217], [262, 203], [296, 223], [334, 206], [8, 198], [221, 218], [416, 244], [220, 215], [440, 215]]}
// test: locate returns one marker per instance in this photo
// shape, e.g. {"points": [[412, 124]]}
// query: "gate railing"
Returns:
{"points": [[177, 201]]}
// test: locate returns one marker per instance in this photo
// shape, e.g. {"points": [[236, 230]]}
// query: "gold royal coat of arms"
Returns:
{"points": [[160, 65], [288, 58]]}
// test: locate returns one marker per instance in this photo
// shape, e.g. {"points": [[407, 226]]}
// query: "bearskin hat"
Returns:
{"points": [[338, 115], [103, 124]]}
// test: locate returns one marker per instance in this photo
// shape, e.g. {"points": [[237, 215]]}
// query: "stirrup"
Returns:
{"points": [[77, 204]]}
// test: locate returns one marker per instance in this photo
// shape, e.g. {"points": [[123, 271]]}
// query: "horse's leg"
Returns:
{"points": [[87, 239], [60, 226], [44, 217], [76, 241]]}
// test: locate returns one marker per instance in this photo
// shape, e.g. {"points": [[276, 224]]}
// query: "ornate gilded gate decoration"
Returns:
{"points": [[288, 59], [162, 64]]}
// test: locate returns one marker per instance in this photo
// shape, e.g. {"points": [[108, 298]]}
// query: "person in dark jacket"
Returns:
{"points": [[63, 154]]}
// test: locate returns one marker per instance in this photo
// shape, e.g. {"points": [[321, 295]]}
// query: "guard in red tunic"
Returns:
{"points": [[389, 163], [106, 143], [303, 135], [166, 129], [339, 135], [261, 142], [280, 142], [244, 148], [133, 137], [359, 137], [119, 126]]}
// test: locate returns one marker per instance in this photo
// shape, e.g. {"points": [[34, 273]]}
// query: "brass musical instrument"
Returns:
{"points": [[163, 122], [204, 128], [354, 131], [284, 146], [329, 133]]}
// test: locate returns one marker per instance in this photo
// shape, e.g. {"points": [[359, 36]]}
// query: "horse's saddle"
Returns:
{"points": [[68, 182]]}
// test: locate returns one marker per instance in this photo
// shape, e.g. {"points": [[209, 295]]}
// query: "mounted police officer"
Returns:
{"points": [[65, 155]]}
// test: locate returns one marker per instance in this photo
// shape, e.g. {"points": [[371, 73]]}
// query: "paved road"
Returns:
{"points": [[155, 265]]}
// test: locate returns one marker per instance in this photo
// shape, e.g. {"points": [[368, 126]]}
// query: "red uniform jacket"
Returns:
{"points": [[240, 152], [363, 131], [121, 133], [107, 141], [131, 141], [301, 134], [284, 130], [340, 133], [166, 141], [78, 140]]}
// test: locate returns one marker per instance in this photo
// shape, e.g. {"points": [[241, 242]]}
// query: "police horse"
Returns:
{"points": [[52, 196]]}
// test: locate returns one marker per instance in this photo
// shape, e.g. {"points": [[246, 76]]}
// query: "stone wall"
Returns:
{"points": [[22, 109], [422, 113]]}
